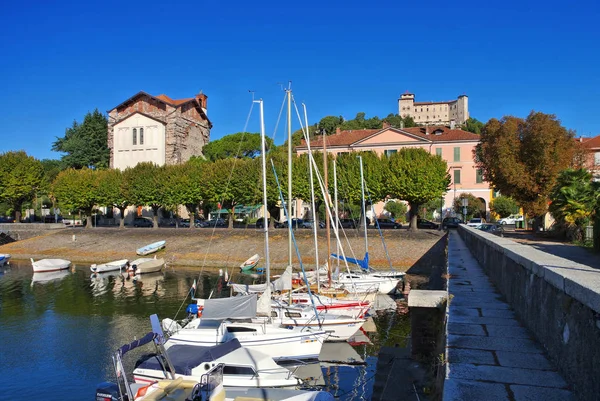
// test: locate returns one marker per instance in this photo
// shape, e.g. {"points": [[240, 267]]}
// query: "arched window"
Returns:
{"points": [[135, 136], [141, 136]]}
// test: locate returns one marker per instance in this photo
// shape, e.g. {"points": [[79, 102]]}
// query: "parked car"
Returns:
{"points": [[213, 223], [451, 222], [185, 223], [348, 223], [490, 228], [422, 223], [260, 223], [6, 219], [296, 223], [476, 221], [309, 224], [142, 222], [512, 219], [387, 223]]}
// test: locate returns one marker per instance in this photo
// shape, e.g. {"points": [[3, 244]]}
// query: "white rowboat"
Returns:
{"points": [[151, 248], [50, 265], [109, 266]]}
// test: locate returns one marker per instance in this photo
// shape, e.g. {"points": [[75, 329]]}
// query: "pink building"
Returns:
{"points": [[453, 145], [592, 148]]}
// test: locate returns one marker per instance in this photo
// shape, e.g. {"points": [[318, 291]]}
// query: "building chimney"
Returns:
{"points": [[426, 129], [201, 98], [452, 124], [386, 125], [338, 130], [401, 124]]}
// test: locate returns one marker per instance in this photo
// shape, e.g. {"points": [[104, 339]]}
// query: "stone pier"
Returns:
{"points": [[490, 355]]}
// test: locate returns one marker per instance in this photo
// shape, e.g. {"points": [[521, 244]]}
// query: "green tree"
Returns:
{"points": [[397, 210], [185, 187], [239, 145], [85, 144], [146, 184], [504, 206], [51, 169], [574, 199], [522, 158], [76, 191], [397, 121], [112, 191], [416, 176], [374, 172], [475, 207], [330, 124], [473, 125], [21, 176]]}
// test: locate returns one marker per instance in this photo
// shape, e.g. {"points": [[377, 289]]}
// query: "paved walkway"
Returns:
{"points": [[490, 355]]}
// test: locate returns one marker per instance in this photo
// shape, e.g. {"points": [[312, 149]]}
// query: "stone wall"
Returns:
{"points": [[21, 231], [558, 301], [186, 130]]}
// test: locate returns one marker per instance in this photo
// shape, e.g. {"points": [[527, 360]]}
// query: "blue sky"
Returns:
{"points": [[60, 61]]}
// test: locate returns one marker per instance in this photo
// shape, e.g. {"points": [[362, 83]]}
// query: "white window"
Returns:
{"points": [[135, 136]]}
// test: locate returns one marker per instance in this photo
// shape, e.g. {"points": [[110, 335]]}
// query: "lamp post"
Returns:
{"points": [[465, 203], [441, 212]]}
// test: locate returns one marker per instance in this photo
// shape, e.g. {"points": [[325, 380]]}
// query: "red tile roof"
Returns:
{"points": [[347, 138], [175, 102], [590, 142]]}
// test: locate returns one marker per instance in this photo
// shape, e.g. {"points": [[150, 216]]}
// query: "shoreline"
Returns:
{"points": [[205, 248]]}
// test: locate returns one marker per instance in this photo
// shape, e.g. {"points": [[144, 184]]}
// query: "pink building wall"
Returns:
{"points": [[388, 139]]}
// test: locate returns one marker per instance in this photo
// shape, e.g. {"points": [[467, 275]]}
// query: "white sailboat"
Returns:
{"points": [[220, 320]]}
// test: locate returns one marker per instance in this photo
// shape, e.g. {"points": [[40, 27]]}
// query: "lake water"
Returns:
{"points": [[58, 332]]}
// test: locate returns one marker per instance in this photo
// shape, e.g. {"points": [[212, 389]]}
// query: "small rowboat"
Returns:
{"points": [[109, 266], [250, 263], [50, 265], [146, 265], [4, 258], [148, 249]]}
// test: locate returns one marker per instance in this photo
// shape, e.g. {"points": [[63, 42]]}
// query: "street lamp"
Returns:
{"points": [[441, 212], [465, 203]]}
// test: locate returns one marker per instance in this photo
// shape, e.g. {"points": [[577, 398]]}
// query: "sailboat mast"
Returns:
{"points": [[264, 182], [314, 212], [328, 200], [289, 122], [337, 213], [364, 207]]}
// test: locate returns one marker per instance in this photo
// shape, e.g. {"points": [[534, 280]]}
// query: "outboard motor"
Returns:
{"points": [[108, 391]]}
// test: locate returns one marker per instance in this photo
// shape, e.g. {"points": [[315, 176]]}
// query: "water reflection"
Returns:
{"points": [[68, 325], [46, 277]]}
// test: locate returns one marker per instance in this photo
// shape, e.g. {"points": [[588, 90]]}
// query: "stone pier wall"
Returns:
{"points": [[558, 300]]}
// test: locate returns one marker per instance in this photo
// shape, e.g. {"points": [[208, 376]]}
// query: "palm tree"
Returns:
{"points": [[574, 201]]}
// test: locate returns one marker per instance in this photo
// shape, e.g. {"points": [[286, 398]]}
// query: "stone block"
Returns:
{"points": [[427, 299], [499, 374], [474, 356], [494, 343], [521, 360], [584, 286], [507, 332], [532, 393], [464, 390], [466, 329]]}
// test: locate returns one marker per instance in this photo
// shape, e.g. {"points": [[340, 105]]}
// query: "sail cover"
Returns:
{"points": [[280, 284], [363, 263], [240, 307]]}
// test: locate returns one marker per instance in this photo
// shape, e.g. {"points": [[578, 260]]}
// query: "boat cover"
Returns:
{"points": [[137, 343], [280, 284], [184, 358], [239, 307]]}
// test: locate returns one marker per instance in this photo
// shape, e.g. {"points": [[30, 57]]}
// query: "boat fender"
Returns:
{"points": [[192, 309], [200, 311]]}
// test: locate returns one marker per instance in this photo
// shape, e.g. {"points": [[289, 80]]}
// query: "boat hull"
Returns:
{"points": [[148, 249], [299, 345], [146, 265], [50, 265], [4, 258], [109, 267]]}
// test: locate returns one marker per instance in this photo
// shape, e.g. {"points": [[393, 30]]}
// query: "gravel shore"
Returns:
{"points": [[205, 248]]}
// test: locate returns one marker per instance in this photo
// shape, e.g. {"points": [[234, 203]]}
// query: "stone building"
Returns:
{"points": [[157, 129], [434, 113]]}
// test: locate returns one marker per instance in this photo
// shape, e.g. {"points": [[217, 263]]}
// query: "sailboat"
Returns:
{"points": [[227, 318], [386, 282]]}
